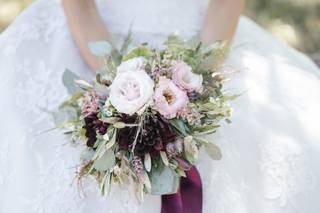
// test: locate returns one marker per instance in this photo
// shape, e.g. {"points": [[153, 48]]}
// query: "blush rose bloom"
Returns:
{"points": [[169, 98], [131, 91], [184, 78]]}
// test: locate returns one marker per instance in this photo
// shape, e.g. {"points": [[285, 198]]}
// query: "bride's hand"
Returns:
{"points": [[85, 25], [221, 20]]}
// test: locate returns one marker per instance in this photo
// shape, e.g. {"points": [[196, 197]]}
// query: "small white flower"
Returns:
{"points": [[132, 65]]}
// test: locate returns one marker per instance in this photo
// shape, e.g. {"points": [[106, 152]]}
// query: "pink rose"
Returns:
{"points": [[169, 98], [184, 78]]}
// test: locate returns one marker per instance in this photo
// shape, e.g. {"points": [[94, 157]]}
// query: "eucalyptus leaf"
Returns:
{"points": [[105, 183], [83, 84], [213, 151], [100, 48], [119, 125], [127, 41], [64, 115], [107, 161], [147, 182], [180, 126], [87, 154], [139, 192], [164, 158], [201, 141], [68, 79], [101, 149], [191, 150], [147, 162], [111, 120], [112, 141], [181, 172], [138, 52], [205, 129], [164, 181], [101, 90]]}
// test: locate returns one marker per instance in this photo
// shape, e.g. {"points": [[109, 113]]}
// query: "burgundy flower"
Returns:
{"points": [[152, 139], [93, 126]]}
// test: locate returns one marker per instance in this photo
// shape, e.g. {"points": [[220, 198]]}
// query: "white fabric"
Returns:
{"points": [[271, 151]]}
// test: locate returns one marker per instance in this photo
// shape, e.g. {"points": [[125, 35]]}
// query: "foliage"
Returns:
{"points": [[146, 148]]}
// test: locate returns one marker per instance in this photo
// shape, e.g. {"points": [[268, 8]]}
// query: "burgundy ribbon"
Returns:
{"points": [[188, 199]]}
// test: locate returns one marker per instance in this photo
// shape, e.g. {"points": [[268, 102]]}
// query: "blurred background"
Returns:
{"points": [[296, 22]]}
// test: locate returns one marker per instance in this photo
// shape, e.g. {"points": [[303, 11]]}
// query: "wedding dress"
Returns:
{"points": [[271, 151]]}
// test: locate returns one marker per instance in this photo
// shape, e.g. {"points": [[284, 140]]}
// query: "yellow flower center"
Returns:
{"points": [[168, 96]]}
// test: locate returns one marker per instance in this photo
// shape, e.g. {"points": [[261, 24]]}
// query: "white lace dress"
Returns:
{"points": [[271, 151]]}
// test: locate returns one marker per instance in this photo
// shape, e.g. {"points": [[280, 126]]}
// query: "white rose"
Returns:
{"points": [[132, 65], [131, 91]]}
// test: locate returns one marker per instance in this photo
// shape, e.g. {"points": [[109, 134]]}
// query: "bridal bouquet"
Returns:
{"points": [[141, 122]]}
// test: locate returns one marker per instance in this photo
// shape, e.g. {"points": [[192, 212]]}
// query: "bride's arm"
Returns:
{"points": [[85, 25], [221, 20]]}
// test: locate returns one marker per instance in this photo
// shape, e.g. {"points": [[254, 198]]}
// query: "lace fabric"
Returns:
{"points": [[270, 151]]}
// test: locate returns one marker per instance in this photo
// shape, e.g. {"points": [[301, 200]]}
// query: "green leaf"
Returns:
{"points": [[205, 129], [164, 181], [100, 48], [83, 84], [111, 120], [147, 182], [127, 41], [68, 79], [101, 90], [112, 141], [138, 52], [105, 184], [180, 126], [119, 125], [107, 161], [201, 141], [214, 55], [87, 154], [191, 150], [147, 162], [164, 158], [181, 172], [213, 151], [101, 143]]}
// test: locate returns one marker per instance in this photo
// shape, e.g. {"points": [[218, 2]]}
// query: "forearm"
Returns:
{"points": [[221, 20], [85, 25]]}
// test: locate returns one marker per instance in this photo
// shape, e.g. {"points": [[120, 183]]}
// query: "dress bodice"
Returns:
{"points": [[154, 19]]}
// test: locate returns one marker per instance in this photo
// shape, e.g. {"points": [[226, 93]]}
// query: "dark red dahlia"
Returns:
{"points": [[152, 138], [94, 126]]}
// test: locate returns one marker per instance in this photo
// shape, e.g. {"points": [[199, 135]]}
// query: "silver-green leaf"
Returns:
{"points": [[107, 161], [68, 79], [213, 151], [164, 158], [83, 84], [100, 48], [191, 150], [147, 162], [164, 181]]}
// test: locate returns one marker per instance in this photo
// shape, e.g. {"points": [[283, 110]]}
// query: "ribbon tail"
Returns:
{"points": [[189, 197], [171, 203]]}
